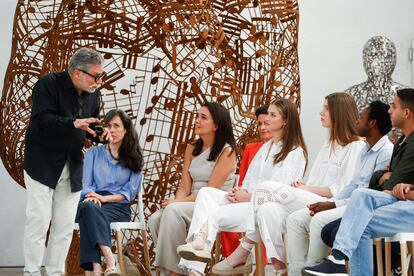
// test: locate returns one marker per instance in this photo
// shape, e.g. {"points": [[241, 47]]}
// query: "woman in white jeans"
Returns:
{"points": [[283, 159], [272, 202], [209, 161]]}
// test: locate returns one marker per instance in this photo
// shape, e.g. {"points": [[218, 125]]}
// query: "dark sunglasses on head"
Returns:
{"points": [[95, 77]]}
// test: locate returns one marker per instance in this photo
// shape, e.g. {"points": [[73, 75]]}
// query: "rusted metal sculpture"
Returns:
{"points": [[163, 58]]}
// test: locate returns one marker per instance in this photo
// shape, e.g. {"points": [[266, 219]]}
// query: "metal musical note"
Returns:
{"points": [[163, 58]]}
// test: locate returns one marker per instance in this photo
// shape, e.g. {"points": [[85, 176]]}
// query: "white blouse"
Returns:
{"points": [[335, 168], [262, 169]]}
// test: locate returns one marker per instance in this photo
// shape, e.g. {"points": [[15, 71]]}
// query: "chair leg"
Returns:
{"points": [[121, 259], [387, 258], [411, 248], [217, 251], [259, 259], [285, 248], [404, 264], [157, 272], [145, 249], [380, 264]]}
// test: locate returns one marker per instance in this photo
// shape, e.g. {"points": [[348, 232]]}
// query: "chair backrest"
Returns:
{"points": [[236, 180], [137, 208]]}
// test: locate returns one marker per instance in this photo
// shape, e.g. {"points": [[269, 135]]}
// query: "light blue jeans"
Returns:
{"points": [[371, 214]]}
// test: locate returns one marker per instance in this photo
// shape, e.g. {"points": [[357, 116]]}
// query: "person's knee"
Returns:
{"points": [[172, 210], [204, 193], [87, 208], [369, 232], [298, 219], [317, 222], [326, 236], [154, 221], [328, 232]]}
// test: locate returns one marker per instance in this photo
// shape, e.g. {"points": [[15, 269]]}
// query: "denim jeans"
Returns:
{"points": [[371, 214]]}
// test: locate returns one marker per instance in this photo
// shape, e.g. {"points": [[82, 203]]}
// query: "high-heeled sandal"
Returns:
{"points": [[224, 268], [111, 270], [195, 250]]}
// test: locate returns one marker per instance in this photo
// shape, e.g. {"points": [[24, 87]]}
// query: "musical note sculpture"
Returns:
{"points": [[163, 58]]}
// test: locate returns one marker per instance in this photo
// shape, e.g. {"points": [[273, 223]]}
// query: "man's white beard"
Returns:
{"points": [[91, 89]]}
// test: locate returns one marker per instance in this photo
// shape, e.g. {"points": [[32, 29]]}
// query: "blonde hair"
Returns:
{"points": [[344, 118]]}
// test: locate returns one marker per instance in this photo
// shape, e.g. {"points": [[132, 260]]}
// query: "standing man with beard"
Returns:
{"points": [[64, 106]]}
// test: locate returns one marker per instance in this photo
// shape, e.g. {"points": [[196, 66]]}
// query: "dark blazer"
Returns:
{"points": [[51, 138]]}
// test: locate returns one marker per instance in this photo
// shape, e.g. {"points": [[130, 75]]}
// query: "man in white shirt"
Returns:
{"points": [[304, 226]]}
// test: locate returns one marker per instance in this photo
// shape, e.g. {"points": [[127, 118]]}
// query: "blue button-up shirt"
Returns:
{"points": [[101, 174], [369, 160]]}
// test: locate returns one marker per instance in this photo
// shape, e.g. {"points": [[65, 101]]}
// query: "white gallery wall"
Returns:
{"points": [[331, 36], [12, 196]]}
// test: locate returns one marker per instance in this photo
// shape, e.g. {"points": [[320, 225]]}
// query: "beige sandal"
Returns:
{"points": [[112, 270], [224, 268], [187, 251]]}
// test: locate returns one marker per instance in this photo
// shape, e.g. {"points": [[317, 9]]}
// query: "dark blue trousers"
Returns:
{"points": [[94, 225], [329, 231]]}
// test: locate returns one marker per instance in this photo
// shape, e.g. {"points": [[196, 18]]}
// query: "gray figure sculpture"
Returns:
{"points": [[380, 58]]}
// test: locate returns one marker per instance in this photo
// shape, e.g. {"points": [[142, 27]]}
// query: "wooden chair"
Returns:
{"points": [[137, 224], [378, 251], [258, 251], [260, 270], [406, 241]]}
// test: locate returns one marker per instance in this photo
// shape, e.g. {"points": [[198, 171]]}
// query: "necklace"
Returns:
{"points": [[110, 152]]}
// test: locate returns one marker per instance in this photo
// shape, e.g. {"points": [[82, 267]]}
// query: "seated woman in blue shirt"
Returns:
{"points": [[111, 179]]}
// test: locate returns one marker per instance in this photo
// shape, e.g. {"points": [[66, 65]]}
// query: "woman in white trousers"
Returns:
{"points": [[210, 161], [272, 202], [283, 159]]}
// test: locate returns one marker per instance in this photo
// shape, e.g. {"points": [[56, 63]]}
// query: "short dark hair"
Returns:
{"points": [[378, 111], [224, 133], [260, 110], [406, 96]]}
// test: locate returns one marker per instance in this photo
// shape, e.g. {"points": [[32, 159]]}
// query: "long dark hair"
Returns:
{"points": [[130, 153], [224, 133], [292, 134]]}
